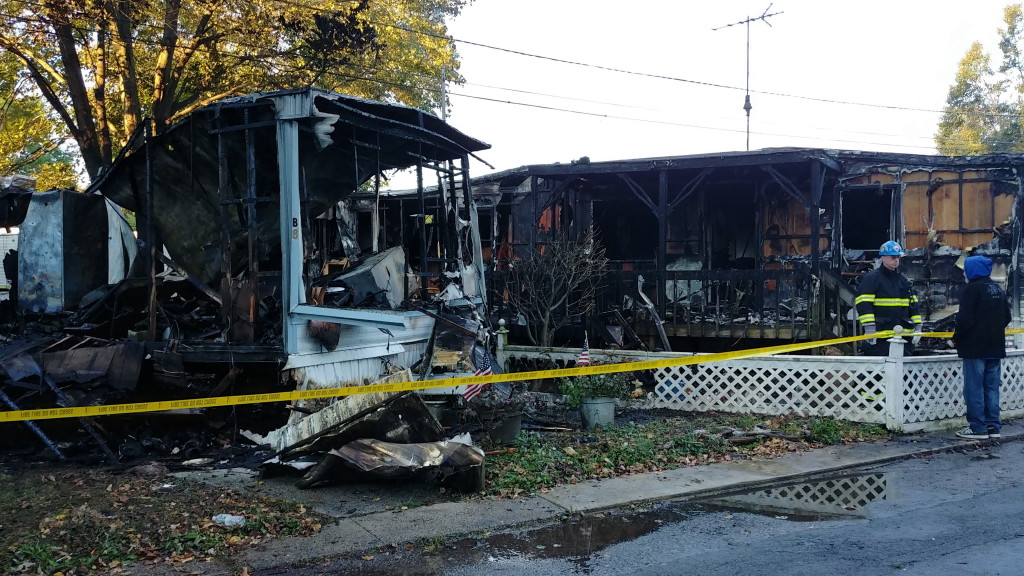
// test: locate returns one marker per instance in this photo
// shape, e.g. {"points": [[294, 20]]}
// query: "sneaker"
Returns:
{"points": [[993, 433], [971, 434]]}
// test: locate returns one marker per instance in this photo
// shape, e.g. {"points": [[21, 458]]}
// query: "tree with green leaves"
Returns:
{"points": [[104, 66], [32, 142], [985, 106]]}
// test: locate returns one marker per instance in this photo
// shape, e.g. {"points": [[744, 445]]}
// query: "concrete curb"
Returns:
{"points": [[457, 519]]}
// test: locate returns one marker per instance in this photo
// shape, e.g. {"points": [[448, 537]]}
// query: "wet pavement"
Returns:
{"points": [[607, 527], [897, 516]]}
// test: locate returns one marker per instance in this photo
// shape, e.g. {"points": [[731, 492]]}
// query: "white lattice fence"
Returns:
{"points": [[932, 389], [1011, 393], [843, 387], [902, 393], [858, 389]]}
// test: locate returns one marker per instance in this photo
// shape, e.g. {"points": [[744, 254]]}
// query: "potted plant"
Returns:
{"points": [[499, 411], [595, 396]]}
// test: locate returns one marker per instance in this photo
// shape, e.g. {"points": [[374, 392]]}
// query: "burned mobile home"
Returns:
{"points": [[249, 271], [743, 248]]}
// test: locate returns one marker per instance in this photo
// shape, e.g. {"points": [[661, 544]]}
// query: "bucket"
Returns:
{"points": [[596, 412], [438, 408], [504, 430]]}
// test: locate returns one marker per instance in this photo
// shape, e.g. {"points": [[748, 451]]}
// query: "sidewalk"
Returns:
{"points": [[358, 534]]}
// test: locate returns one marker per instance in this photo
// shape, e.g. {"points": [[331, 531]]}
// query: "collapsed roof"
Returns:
{"points": [[203, 174]]}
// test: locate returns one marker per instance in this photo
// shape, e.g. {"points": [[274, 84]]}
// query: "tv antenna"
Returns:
{"points": [[764, 18]]}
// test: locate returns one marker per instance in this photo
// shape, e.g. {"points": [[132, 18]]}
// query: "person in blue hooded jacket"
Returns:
{"points": [[980, 340]]}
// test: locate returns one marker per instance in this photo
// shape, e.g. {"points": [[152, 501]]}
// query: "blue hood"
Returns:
{"points": [[977, 267]]}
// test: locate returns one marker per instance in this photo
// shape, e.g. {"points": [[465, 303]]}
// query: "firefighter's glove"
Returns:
{"points": [[870, 329], [917, 337]]}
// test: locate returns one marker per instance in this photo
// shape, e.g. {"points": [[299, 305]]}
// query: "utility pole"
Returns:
{"points": [[764, 18]]}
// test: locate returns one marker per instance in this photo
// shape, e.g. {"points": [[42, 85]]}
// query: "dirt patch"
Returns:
{"points": [[63, 518]]}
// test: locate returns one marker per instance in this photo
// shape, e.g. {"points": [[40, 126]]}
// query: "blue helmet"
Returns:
{"points": [[891, 248]]}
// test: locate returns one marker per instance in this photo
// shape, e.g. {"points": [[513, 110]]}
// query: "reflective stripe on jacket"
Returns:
{"points": [[886, 298]]}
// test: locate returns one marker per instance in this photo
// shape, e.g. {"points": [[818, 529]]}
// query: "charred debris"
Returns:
{"points": [[251, 271], [269, 258], [712, 252]]}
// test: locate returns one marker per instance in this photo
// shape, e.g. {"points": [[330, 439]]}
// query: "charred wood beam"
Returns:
{"points": [[209, 353], [688, 189], [151, 235], [245, 126], [639, 192], [253, 230], [181, 271], [223, 191], [474, 219], [787, 186], [424, 247], [662, 214], [817, 181], [1016, 292], [430, 163]]}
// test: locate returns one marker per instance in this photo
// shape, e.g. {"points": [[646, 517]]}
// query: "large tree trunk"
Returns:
{"points": [[126, 45], [85, 128]]}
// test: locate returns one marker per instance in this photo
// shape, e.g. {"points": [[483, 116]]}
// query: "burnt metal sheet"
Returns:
{"points": [[379, 280], [332, 161], [118, 365], [402, 417], [391, 460], [391, 416]]}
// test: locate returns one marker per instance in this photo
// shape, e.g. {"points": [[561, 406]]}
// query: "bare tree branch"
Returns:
{"points": [[554, 283]]}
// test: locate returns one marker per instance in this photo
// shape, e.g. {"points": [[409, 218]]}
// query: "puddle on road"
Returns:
{"points": [[837, 498], [586, 535], [577, 540], [582, 540], [831, 499]]}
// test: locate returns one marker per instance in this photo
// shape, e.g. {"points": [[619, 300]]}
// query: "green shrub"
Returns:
{"points": [[576, 388]]}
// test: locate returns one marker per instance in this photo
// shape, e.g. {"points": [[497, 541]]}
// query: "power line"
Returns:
{"points": [[581, 64], [665, 76], [686, 125], [552, 108]]}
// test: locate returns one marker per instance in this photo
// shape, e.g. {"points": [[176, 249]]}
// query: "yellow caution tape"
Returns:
{"points": [[164, 405]]}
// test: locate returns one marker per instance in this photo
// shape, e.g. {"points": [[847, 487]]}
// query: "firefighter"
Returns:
{"points": [[886, 299]]}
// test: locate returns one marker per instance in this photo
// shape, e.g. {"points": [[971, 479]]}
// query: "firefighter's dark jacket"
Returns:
{"points": [[886, 298], [984, 314]]}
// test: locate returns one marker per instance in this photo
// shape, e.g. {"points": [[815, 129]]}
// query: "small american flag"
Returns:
{"points": [[484, 370], [584, 359]]}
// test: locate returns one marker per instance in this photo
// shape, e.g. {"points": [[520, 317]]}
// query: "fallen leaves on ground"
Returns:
{"points": [[79, 521]]}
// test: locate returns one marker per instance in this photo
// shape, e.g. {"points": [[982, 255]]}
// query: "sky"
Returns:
{"points": [[858, 75]]}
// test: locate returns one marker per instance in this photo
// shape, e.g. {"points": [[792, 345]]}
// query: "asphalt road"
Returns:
{"points": [[955, 513]]}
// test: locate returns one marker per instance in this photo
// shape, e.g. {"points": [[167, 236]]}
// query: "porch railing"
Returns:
{"points": [[724, 303]]}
